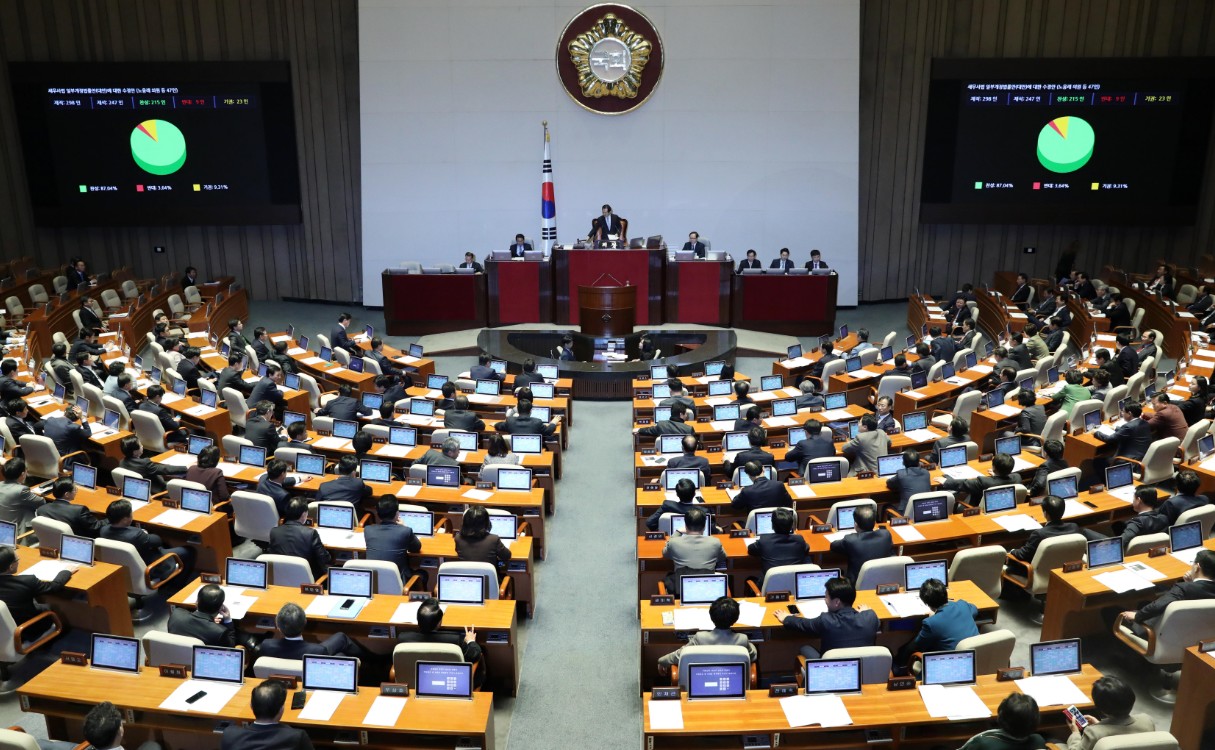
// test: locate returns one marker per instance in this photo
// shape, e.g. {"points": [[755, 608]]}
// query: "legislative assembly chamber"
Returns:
{"points": [[522, 374]]}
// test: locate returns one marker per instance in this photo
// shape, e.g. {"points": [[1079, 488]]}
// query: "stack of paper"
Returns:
{"points": [[332, 443], [801, 491], [312, 361], [692, 618], [176, 518], [666, 714], [342, 538], [1187, 555], [170, 398], [824, 710], [1052, 690], [835, 536], [1074, 508], [409, 490], [812, 608], [953, 702], [751, 614], [230, 469], [1017, 522], [384, 711], [865, 373], [215, 696], [914, 395], [1005, 410], [321, 705], [921, 436], [46, 570], [180, 459], [908, 533], [394, 451], [405, 359], [981, 369], [718, 400], [1121, 580], [780, 421], [961, 472], [837, 415], [475, 494], [1144, 570], [796, 362], [906, 605], [201, 410]]}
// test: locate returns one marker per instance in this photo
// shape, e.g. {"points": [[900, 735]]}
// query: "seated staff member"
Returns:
{"points": [[950, 622], [120, 528], [694, 245], [688, 459], [1197, 584], [1017, 727], [18, 503], [519, 247], [864, 449], [210, 621], [461, 417], [62, 507], [20, 422], [959, 432], [783, 264], [260, 431], [523, 423], [392, 541], [608, 226], [724, 613], [294, 537], [207, 473], [104, 729], [817, 444], [470, 261], [174, 432], [1147, 519], [910, 480], [430, 617], [338, 337], [693, 551], [1113, 699], [21, 592], [685, 498], [762, 492], [266, 732], [751, 261], [673, 426], [1053, 507], [781, 547], [1187, 498], [68, 434], [345, 406], [476, 543], [1001, 473], [757, 438], [291, 621], [133, 460], [841, 626], [346, 487], [816, 260], [1052, 451], [868, 543]]}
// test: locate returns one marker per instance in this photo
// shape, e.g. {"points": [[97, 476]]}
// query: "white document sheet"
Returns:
{"points": [[1052, 690], [1017, 522], [801, 491], [751, 614], [666, 714], [332, 443], [914, 395], [200, 411], [230, 469], [321, 705], [692, 618], [180, 459], [837, 415], [780, 422], [384, 711], [824, 710], [1121, 580], [908, 533], [343, 538], [409, 490], [475, 494], [322, 605], [1005, 410], [796, 362], [217, 695], [1074, 508], [393, 451], [835, 536], [953, 702], [906, 604], [311, 361], [176, 518], [46, 570], [921, 436]]}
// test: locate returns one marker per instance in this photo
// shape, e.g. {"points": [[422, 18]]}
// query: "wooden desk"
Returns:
{"points": [[64, 694], [695, 385], [901, 714], [417, 303], [95, 598], [698, 291], [794, 369], [1174, 324], [776, 303], [1194, 713], [495, 622], [520, 291], [1074, 600]]}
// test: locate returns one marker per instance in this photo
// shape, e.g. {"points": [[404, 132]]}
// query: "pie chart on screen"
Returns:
{"points": [[1065, 144], [158, 147]]}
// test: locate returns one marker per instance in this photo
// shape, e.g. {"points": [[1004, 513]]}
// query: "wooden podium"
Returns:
{"points": [[607, 310]]}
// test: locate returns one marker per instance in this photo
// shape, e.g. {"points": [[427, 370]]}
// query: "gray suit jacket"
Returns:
{"points": [[863, 450], [694, 551], [715, 637], [1133, 724], [17, 505]]}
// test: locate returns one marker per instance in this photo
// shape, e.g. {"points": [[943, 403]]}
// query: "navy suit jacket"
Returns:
{"points": [[392, 543], [763, 493], [344, 407], [68, 436], [266, 390], [691, 462], [947, 626], [294, 538], [346, 489], [844, 628], [862, 547], [779, 549], [82, 521], [264, 737], [810, 448], [1132, 439], [908, 482]]}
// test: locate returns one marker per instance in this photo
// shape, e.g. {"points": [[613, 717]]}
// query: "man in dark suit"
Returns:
{"points": [[828, 356], [1112, 368], [782, 546], [460, 417], [1198, 584], [156, 473], [210, 621], [1052, 510], [1054, 334], [338, 337], [291, 621], [751, 261], [295, 537], [1133, 438], [344, 406], [84, 366], [689, 460], [86, 343], [188, 368], [189, 277], [679, 396], [809, 397], [757, 437], [76, 275], [281, 358], [261, 344], [1147, 346], [430, 618], [519, 247], [523, 423], [783, 264], [10, 387], [470, 261], [950, 622], [236, 336], [266, 389], [868, 543], [266, 732], [174, 432], [260, 431], [685, 498], [1052, 451], [482, 370], [841, 626], [1021, 296], [608, 225], [1187, 497], [529, 374], [62, 507], [121, 528], [18, 420], [1020, 352], [901, 368], [21, 592], [1147, 519], [1118, 313], [446, 456], [126, 393], [816, 261], [909, 480], [761, 493], [391, 541], [673, 426], [818, 444], [1001, 474], [1084, 288], [233, 377], [345, 487], [694, 245], [277, 485], [1127, 358], [959, 432], [943, 348], [387, 366]]}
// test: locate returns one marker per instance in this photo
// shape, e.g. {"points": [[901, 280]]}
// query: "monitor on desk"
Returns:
{"points": [[224, 349], [489, 387], [112, 419], [972, 360], [771, 382], [1052, 375], [356, 364], [82, 404], [949, 668], [115, 652], [84, 475], [402, 436], [793, 352], [1119, 475], [886, 354], [532, 445], [1009, 445], [1184, 536], [796, 435], [714, 367], [735, 441], [1064, 487], [662, 413], [336, 673], [828, 471], [8, 534], [888, 466], [335, 516], [667, 444], [415, 350], [498, 366], [672, 477], [718, 681], [915, 573], [312, 464], [954, 455], [660, 391], [1092, 420], [421, 407], [679, 523], [460, 589], [919, 379], [833, 676], [442, 476], [515, 479], [422, 522], [1055, 657], [303, 342], [745, 480], [326, 353], [725, 412], [925, 509], [996, 499], [179, 387], [947, 371], [542, 392], [291, 381], [137, 489], [373, 401], [763, 522], [262, 370], [352, 582], [250, 574], [843, 331], [372, 470], [345, 428], [505, 526], [467, 440], [218, 664], [845, 517], [435, 382], [1206, 446], [252, 455], [77, 549], [784, 407], [543, 413], [909, 342], [154, 376], [835, 401], [659, 372], [209, 399], [444, 679], [915, 420], [1103, 552], [702, 589], [994, 398], [812, 584], [854, 428], [59, 393], [548, 372], [291, 417]]}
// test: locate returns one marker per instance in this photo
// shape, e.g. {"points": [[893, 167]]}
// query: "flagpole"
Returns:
{"points": [[548, 201]]}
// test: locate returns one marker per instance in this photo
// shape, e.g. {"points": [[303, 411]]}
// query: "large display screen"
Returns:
{"points": [[1066, 141], [158, 143]]}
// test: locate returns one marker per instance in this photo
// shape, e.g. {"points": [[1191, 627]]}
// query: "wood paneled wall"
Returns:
{"points": [[317, 259], [899, 38]]}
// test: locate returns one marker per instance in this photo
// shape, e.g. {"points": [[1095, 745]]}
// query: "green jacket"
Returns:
{"points": [[1070, 396]]}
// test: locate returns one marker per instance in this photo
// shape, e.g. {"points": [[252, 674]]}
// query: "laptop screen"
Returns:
{"points": [[444, 680], [919, 379], [488, 387], [886, 353], [252, 455], [422, 522], [796, 435], [916, 573], [505, 527], [997, 499], [1064, 487], [1185, 536], [134, 488], [345, 428], [835, 401], [456, 589], [1055, 657], [326, 353], [415, 350], [717, 681], [852, 364], [672, 477], [793, 352], [549, 372], [435, 382], [443, 476], [972, 359], [771, 382], [111, 418], [825, 676], [1009, 445], [421, 407], [661, 413], [291, 381], [335, 516], [745, 480], [542, 391], [197, 443], [84, 475], [679, 523], [498, 366], [949, 668], [955, 455], [291, 417], [310, 463], [828, 471], [246, 573], [373, 401], [1118, 476], [402, 436], [784, 407], [736, 441], [115, 652], [1092, 420], [889, 465], [369, 332], [179, 387], [703, 589], [467, 440], [994, 398], [721, 387], [666, 443], [1103, 552], [659, 372], [915, 420], [660, 391], [926, 509], [526, 444], [339, 673], [515, 479], [209, 398], [76, 549], [375, 471], [714, 367], [725, 412], [350, 582], [198, 501], [763, 522], [8, 534], [218, 664], [812, 584], [543, 413]]}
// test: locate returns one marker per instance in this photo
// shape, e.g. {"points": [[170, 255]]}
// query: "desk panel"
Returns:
{"points": [[698, 291], [432, 303], [520, 291], [796, 305], [642, 268]]}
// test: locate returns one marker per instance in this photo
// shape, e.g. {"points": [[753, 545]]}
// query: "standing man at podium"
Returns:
{"points": [[609, 226], [783, 263], [520, 247], [694, 244]]}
